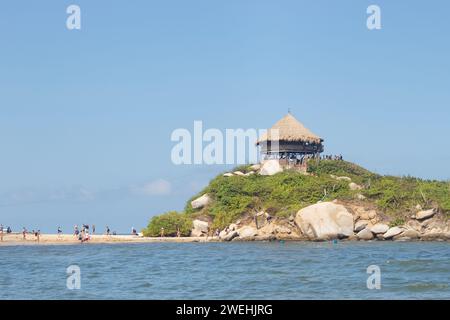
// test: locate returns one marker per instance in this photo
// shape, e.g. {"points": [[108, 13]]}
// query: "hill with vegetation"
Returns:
{"points": [[285, 193]]}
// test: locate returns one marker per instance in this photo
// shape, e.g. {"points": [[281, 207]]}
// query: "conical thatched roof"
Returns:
{"points": [[290, 129]]}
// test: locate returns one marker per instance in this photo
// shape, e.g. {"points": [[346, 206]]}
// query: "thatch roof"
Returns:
{"points": [[290, 129]]}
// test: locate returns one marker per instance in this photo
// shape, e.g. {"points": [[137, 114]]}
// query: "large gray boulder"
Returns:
{"points": [[200, 228], [407, 235], [230, 236], [365, 234], [379, 228], [201, 201], [223, 234], [247, 232], [325, 220], [270, 167], [392, 232]]}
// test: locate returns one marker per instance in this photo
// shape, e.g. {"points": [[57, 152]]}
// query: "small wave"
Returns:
{"points": [[424, 286]]}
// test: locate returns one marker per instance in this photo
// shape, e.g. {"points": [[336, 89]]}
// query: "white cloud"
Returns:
{"points": [[154, 188]]}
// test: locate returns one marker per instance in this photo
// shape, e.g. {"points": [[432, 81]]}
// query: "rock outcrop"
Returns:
{"points": [[200, 202], [326, 220], [200, 228], [270, 167], [379, 228], [392, 232], [247, 232], [361, 224], [230, 236], [425, 214], [365, 234]]}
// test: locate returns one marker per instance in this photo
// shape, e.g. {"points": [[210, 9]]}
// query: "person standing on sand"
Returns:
{"points": [[75, 230], [162, 232], [81, 236], [93, 229], [24, 233], [1, 233], [37, 234], [108, 231]]}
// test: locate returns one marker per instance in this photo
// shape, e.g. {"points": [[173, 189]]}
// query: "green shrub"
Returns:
{"points": [[287, 192], [397, 222], [170, 221]]}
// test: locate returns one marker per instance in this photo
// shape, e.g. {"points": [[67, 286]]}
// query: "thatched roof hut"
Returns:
{"points": [[291, 137]]}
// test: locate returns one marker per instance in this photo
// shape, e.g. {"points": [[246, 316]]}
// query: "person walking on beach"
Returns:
{"points": [[24, 233], [37, 234], [162, 232], [76, 231], [108, 231], [59, 232], [86, 236], [93, 229]]}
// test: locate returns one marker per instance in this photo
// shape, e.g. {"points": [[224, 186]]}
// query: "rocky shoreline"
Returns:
{"points": [[356, 218], [326, 221]]}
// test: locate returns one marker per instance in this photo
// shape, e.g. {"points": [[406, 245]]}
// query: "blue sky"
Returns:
{"points": [[86, 115]]}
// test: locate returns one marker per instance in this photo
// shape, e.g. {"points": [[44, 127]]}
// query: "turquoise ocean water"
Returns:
{"points": [[253, 270]]}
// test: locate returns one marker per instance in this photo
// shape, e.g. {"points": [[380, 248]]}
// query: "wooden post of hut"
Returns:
{"points": [[291, 143]]}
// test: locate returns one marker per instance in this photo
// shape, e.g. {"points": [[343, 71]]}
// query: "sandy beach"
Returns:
{"points": [[69, 239]]}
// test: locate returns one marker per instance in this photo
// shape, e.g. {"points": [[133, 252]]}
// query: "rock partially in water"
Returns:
{"points": [[392, 232], [438, 236], [230, 236], [365, 234], [247, 232], [407, 235], [324, 221]]}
